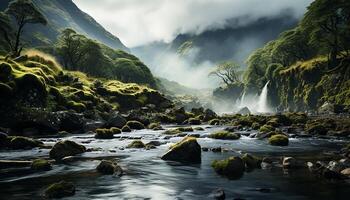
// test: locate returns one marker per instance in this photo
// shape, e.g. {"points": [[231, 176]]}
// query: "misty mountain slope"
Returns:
{"points": [[233, 43], [63, 14]]}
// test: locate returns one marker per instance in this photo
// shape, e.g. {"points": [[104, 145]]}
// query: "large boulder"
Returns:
{"points": [[66, 148], [60, 190], [233, 167], [187, 150], [19, 142], [279, 140], [244, 111]]}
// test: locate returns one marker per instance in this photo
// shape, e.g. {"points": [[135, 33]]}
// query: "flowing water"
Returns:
{"points": [[263, 106], [149, 177]]}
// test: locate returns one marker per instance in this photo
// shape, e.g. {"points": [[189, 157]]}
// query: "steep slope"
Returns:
{"points": [[63, 14]]}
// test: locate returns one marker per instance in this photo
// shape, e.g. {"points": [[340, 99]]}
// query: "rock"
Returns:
{"points": [[155, 126], [209, 115], [19, 142], [205, 149], [279, 140], [214, 122], [187, 150], [60, 190], [266, 128], [218, 194], [136, 144], [194, 121], [116, 120], [70, 121], [224, 135], [266, 163], [109, 167], [66, 148], [154, 143], [135, 125], [185, 129], [3, 140], [291, 163], [216, 149], [41, 165], [251, 161], [233, 167], [198, 129], [338, 166], [244, 111], [103, 133], [126, 128], [346, 172]]}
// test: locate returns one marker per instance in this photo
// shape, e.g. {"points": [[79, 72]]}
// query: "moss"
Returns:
{"points": [[256, 126], [224, 135], [79, 107], [214, 122], [103, 133], [316, 128], [115, 130], [136, 144], [198, 129], [171, 132], [41, 164], [194, 121], [155, 126], [251, 161], [135, 125], [187, 150], [233, 167], [185, 129], [266, 128], [279, 140], [126, 128], [60, 189], [19, 142]]}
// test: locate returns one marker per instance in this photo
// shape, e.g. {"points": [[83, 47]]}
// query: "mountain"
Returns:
{"points": [[63, 14], [232, 42]]}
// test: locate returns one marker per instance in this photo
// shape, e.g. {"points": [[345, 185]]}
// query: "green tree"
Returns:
{"points": [[328, 21], [24, 12], [72, 49], [229, 72]]}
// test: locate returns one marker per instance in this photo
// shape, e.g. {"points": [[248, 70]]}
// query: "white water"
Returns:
{"points": [[256, 103], [263, 106]]}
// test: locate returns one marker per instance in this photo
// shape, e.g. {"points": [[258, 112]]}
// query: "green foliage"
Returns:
{"points": [[78, 52]]}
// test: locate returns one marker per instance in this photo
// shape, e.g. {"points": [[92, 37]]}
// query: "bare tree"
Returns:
{"points": [[228, 72]]}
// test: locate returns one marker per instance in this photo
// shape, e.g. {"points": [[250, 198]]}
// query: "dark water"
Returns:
{"points": [[149, 177]]}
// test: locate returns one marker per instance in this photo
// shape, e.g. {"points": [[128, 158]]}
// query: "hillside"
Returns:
{"points": [[65, 14]]}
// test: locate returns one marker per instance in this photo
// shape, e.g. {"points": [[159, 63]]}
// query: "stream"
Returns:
{"points": [[148, 177]]}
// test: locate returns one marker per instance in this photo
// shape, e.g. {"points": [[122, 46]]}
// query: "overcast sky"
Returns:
{"points": [[138, 22]]}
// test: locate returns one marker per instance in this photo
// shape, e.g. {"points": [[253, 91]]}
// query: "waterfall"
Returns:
{"points": [[262, 103], [242, 103]]}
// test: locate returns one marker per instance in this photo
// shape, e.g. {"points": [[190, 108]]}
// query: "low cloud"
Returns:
{"points": [[138, 22]]}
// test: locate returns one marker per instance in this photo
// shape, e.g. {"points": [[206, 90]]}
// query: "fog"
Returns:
{"points": [[139, 22]]}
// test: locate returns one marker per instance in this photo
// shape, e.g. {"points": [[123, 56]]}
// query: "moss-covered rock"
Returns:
{"points": [[256, 126], [224, 135], [251, 161], [214, 122], [155, 126], [135, 125], [279, 140], [138, 144], [109, 167], [187, 150], [19, 142], [233, 167], [266, 128], [60, 190], [194, 121], [104, 133], [126, 128], [185, 129], [171, 132], [198, 128], [41, 165], [66, 148]]}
